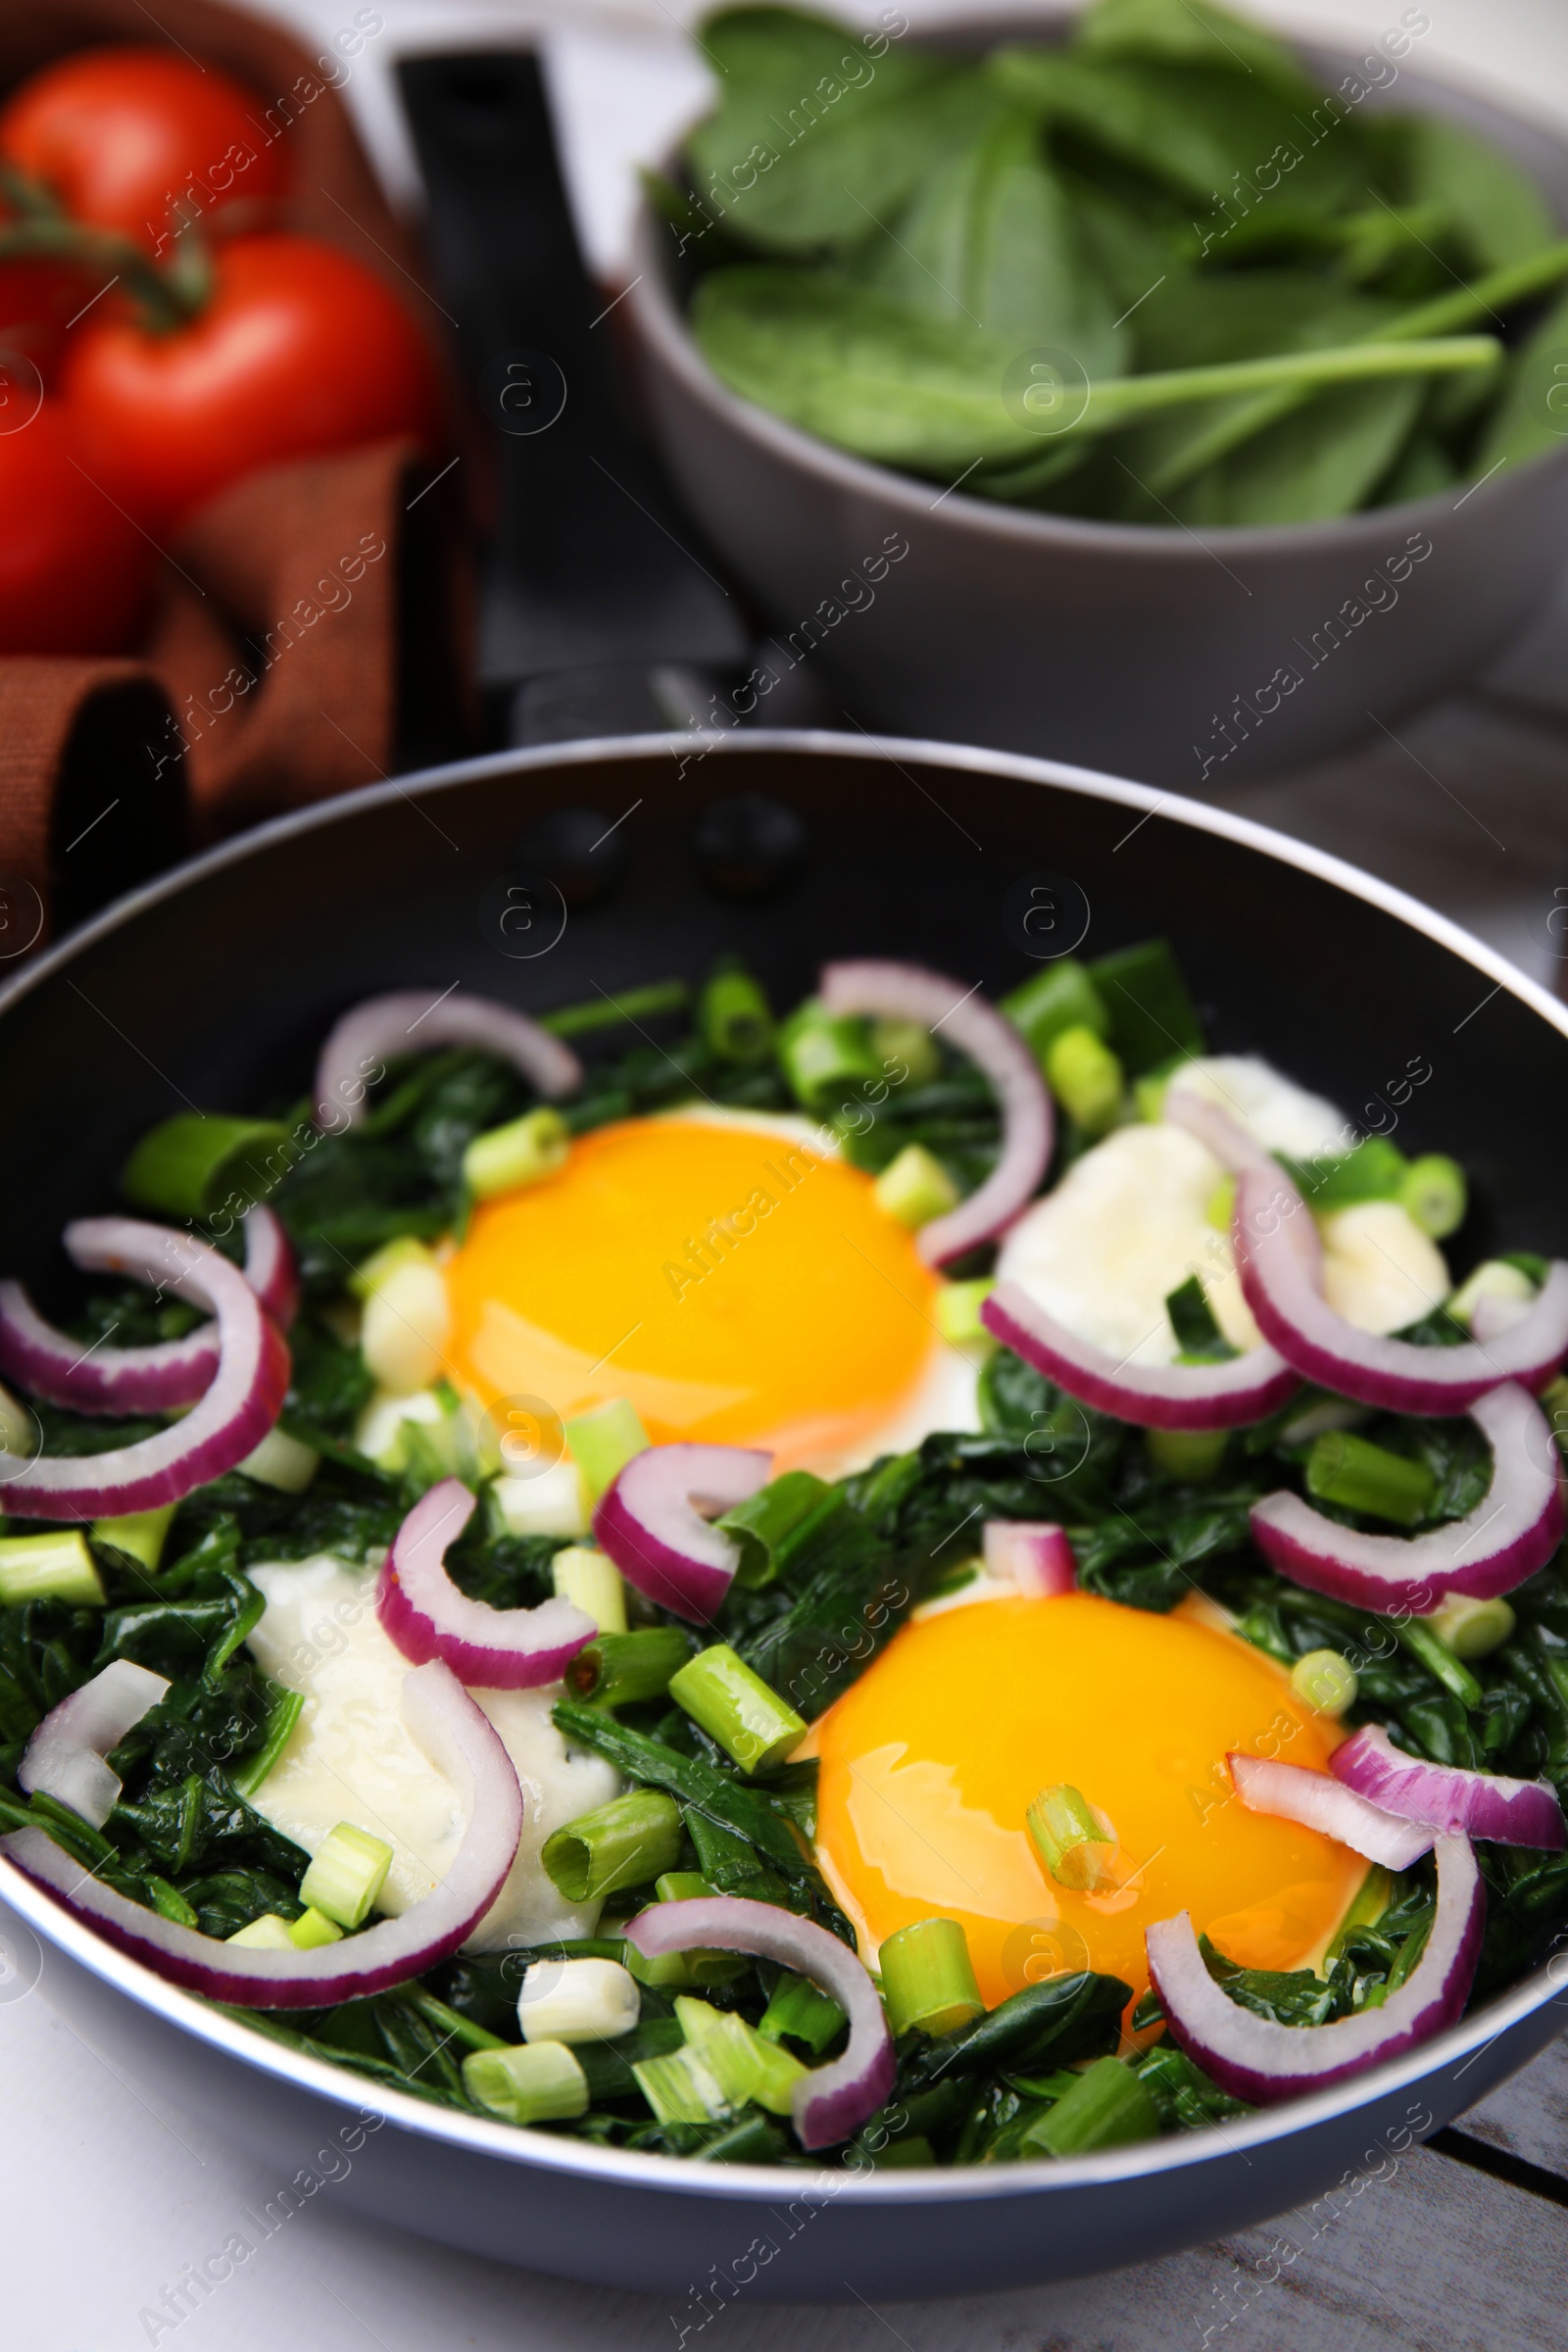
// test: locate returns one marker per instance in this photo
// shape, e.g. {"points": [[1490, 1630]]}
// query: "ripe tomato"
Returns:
{"points": [[300, 351], [38, 298], [127, 137], [74, 572]]}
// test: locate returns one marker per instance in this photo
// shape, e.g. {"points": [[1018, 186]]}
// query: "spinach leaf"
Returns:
{"points": [[1496, 211], [820, 134], [990, 239], [1192, 32], [1531, 415], [1321, 461]]}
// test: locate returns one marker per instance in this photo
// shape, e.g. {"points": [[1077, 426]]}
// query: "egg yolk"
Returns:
{"points": [[736, 1286], [931, 1758]]}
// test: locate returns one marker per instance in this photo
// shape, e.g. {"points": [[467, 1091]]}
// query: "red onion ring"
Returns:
{"points": [[1234, 1146], [461, 1743], [653, 1521], [425, 1616], [409, 1022], [830, 2101], [1446, 1798], [1319, 1802], [116, 1381], [269, 1265], [1224, 1395], [226, 1423], [907, 992], [1254, 2059], [1284, 1290], [1034, 1554], [1514, 1529], [65, 1757]]}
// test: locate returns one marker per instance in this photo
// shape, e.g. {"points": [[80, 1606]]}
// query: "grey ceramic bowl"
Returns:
{"points": [[216, 984], [1122, 646]]}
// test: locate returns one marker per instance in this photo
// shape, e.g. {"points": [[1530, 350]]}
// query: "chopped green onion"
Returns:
{"points": [[746, 2067], [606, 1012], [749, 1720], [1086, 1078], [928, 1979], [623, 1843], [1434, 1195], [681, 2089], [620, 1669], [367, 1279], [523, 1151], [1440, 1661], [57, 1567], [959, 1305], [281, 1461], [311, 1930], [1194, 1455], [762, 1524], [821, 1052], [1472, 1629], [535, 2082], [1495, 1278], [1220, 1207], [1192, 1319], [347, 1875], [592, 1580], [798, 2009], [602, 1443], [577, 2000], [1374, 1170], [1107, 2107], [1062, 996], [906, 1044], [1151, 1015], [139, 1534], [191, 1165], [252, 1770], [1326, 1680], [734, 1017], [268, 1934], [916, 1187], [1069, 1838], [681, 1972], [1359, 1476], [1553, 1403]]}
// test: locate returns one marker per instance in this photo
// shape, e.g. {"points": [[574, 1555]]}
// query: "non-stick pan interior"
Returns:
{"points": [[214, 990]]}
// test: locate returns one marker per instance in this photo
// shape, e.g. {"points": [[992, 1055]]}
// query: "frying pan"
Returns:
{"points": [[213, 986]]}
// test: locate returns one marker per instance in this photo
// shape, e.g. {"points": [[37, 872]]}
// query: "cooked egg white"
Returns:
{"points": [[350, 1757], [1132, 1219]]}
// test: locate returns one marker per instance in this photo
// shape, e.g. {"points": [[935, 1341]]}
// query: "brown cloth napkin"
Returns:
{"points": [[312, 626]]}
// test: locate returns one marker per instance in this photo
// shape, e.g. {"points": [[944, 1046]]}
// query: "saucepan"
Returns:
{"points": [[215, 984]]}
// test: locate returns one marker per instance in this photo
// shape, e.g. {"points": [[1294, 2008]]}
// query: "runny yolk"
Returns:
{"points": [[736, 1286], [931, 1758]]}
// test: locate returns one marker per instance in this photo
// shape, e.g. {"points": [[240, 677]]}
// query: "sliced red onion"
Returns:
{"points": [[269, 1265], [463, 1744], [1513, 1530], [1319, 1802], [65, 1757], [160, 1378], [652, 1522], [830, 2101], [411, 1023], [907, 992], [226, 1424], [1446, 1798], [425, 1616], [1032, 1553], [1234, 1146], [1256, 2059], [1283, 1288], [1224, 1395]]}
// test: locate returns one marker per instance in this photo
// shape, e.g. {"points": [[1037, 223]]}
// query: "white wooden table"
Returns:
{"points": [[107, 2194]]}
